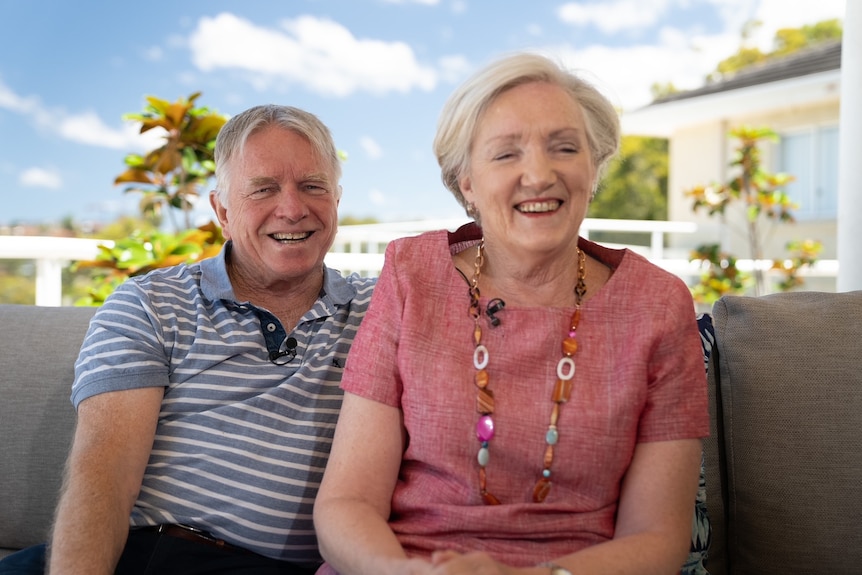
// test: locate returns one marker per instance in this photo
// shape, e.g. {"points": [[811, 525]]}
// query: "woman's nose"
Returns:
{"points": [[537, 171]]}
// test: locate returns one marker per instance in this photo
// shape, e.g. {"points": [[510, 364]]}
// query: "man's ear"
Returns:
{"points": [[220, 212]]}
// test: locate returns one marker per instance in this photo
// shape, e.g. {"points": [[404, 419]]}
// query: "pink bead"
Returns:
{"points": [[485, 428], [572, 333]]}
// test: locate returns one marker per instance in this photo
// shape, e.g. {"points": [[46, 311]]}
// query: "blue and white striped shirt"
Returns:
{"points": [[241, 443]]}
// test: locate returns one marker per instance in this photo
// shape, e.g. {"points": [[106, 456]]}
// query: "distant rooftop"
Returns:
{"points": [[821, 57]]}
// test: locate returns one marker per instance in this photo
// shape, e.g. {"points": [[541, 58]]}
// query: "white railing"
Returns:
{"points": [[357, 249]]}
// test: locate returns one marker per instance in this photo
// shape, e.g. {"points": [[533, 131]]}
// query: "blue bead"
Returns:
{"points": [[551, 437], [546, 473]]}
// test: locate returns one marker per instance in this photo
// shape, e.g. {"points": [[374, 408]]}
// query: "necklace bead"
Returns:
{"points": [[485, 398]]}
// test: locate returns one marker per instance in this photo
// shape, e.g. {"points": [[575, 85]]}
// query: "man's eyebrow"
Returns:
{"points": [[317, 177], [262, 180]]}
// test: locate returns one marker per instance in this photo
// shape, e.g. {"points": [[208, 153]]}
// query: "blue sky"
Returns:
{"points": [[376, 71]]}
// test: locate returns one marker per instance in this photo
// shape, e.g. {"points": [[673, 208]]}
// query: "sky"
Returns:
{"points": [[377, 72]]}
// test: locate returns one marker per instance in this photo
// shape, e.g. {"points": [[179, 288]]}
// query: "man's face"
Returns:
{"points": [[282, 209]]}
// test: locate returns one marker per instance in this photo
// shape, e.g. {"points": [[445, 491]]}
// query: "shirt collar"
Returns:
{"points": [[215, 282]]}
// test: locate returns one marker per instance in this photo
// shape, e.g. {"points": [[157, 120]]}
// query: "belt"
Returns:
{"points": [[193, 534]]}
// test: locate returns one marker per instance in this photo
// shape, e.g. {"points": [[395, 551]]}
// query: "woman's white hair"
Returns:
{"points": [[456, 127]]}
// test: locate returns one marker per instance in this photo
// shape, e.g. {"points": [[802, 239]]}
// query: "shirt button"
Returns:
{"points": [[270, 327]]}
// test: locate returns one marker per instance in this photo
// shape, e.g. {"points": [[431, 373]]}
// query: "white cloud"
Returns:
{"points": [[84, 128], [12, 101], [626, 74], [371, 147], [681, 57], [88, 128], [453, 68], [154, 54], [377, 197], [40, 178], [777, 14], [613, 17], [315, 52]]}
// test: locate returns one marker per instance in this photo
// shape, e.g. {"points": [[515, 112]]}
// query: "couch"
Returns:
{"points": [[783, 463]]}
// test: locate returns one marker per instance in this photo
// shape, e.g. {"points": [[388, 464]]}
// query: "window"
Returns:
{"points": [[811, 156]]}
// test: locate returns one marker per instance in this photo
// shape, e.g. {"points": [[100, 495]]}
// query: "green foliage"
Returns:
{"points": [[143, 252], [634, 186], [786, 41], [763, 203], [16, 282], [171, 176], [170, 179], [720, 275]]}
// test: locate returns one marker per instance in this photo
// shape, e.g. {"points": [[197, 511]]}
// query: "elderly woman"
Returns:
{"points": [[518, 399]]}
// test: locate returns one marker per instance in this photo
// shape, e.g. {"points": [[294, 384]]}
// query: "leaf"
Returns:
{"points": [[133, 175]]}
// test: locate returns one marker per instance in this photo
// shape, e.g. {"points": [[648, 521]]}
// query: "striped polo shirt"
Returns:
{"points": [[242, 441]]}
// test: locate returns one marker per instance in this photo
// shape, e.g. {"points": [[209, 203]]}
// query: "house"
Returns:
{"points": [[796, 96]]}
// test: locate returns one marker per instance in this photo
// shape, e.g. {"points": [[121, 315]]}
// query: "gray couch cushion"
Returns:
{"points": [[790, 420], [38, 347]]}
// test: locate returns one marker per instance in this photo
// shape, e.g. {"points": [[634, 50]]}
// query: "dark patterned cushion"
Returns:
{"points": [[701, 530]]}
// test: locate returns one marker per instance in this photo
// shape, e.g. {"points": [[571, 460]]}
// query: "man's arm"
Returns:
{"points": [[111, 447]]}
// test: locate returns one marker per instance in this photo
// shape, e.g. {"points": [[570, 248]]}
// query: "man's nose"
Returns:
{"points": [[291, 204]]}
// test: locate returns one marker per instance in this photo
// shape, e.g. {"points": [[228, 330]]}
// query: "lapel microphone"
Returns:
{"points": [[277, 357], [493, 307]]}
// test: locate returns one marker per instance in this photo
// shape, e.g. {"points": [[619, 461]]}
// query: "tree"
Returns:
{"points": [[784, 42], [634, 186], [170, 179], [761, 198]]}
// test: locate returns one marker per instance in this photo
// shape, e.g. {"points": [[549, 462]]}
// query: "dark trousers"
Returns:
{"points": [[150, 553]]}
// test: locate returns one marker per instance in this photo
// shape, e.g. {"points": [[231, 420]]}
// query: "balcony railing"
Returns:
{"points": [[359, 249]]}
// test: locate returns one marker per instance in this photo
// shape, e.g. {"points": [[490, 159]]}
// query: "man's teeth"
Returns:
{"points": [[539, 207], [289, 237]]}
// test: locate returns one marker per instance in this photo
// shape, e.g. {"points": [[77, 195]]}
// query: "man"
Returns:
{"points": [[207, 394]]}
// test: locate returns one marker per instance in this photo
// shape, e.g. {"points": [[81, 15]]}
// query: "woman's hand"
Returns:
{"points": [[473, 563]]}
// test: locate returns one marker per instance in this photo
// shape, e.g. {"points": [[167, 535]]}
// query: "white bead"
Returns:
{"points": [[483, 456], [566, 368], [480, 357]]}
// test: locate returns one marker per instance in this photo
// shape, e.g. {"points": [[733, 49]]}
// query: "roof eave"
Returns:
{"points": [[663, 119]]}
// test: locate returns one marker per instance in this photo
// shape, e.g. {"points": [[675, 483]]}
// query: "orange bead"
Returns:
{"points": [[570, 346], [541, 490], [481, 379], [485, 402], [562, 391]]}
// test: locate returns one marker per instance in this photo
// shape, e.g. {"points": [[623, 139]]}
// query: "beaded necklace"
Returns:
{"points": [[485, 398]]}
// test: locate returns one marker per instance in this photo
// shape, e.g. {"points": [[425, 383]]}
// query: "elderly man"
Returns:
{"points": [[207, 394]]}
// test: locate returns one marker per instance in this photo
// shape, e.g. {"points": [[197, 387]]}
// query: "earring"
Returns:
{"points": [[471, 210]]}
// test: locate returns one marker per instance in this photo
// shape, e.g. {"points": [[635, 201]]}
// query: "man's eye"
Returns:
{"points": [[316, 188]]}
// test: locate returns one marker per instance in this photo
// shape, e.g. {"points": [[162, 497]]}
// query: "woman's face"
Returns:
{"points": [[531, 172]]}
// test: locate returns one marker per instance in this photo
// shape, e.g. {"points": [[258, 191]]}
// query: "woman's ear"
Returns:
{"points": [[465, 184]]}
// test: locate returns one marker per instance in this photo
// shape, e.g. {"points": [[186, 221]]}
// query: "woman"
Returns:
{"points": [[518, 399]]}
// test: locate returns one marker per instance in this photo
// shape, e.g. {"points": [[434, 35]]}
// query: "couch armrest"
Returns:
{"points": [[38, 348], [787, 394]]}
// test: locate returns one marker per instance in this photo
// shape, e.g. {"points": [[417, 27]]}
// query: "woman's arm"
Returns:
{"points": [[352, 507], [653, 527]]}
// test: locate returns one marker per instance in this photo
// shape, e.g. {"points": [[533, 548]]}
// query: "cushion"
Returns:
{"points": [[38, 348], [788, 401]]}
